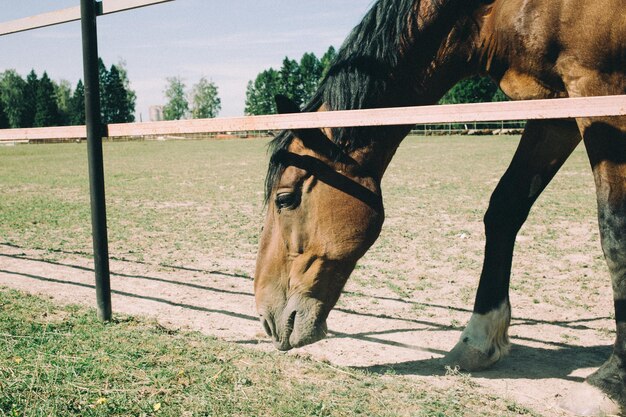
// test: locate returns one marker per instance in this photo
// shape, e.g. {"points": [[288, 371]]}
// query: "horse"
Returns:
{"points": [[323, 195]]}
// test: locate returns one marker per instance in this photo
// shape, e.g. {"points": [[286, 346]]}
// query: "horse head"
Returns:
{"points": [[323, 186], [324, 211]]}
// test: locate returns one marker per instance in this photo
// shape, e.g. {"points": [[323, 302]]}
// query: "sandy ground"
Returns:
{"points": [[370, 329]]}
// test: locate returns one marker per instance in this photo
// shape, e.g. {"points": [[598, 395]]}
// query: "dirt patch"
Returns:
{"points": [[373, 329]]}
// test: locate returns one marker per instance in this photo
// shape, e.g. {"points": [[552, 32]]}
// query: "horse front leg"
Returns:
{"points": [[543, 148], [605, 140]]}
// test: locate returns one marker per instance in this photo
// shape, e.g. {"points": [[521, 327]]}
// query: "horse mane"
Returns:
{"points": [[364, 74]]}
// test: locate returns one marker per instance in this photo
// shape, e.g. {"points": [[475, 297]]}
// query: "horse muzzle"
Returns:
{"points": [[300, 323]]}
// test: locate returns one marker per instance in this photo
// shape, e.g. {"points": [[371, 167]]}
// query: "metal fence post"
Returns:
{"points": [[95, 129]]}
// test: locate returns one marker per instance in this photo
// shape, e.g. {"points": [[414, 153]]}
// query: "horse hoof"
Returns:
{"points": [[469, 358], [587, 400]]}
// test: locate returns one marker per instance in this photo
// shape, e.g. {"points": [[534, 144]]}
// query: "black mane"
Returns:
{"points": [[363, 75]]}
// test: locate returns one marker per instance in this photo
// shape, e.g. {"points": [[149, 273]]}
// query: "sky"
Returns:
{"points": [[227, 41]]}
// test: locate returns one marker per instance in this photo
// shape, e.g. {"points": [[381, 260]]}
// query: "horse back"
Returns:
{"points": [[555, 48]]}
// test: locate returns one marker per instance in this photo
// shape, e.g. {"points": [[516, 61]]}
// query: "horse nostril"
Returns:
{"points": [[267, 325], [291, 321]]}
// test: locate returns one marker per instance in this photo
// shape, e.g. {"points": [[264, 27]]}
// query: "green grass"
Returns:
{"points": [[165, 200], [61, 361], [176, 200], [199, 204]]}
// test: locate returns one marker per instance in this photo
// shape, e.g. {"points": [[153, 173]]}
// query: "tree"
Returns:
{"points": [[205, 102], [30, 99], [311, 72], [260, 93], [291, 81], [12, 96], [499, 96], [177, 106], [131, 96], [63, 93], [47, 113], [327, 60], [77, 105], [473, 90], [115, 99], [4, 120], [103, 75], [42, 102], [297, 80]]}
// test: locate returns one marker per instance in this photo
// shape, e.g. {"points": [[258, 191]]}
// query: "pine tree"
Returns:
{"points": [[30, 99], [115, 98], [205, 100], [296, 80], [291, 81], [103, 76], [177, 105], [47, 113], [311, 71], [77, 105], [4, 120], [131, 96], [327, 60]]}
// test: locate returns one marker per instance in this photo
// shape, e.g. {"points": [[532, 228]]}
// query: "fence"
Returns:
{"points": [[604, 106], [87, 13], [94, 130]]}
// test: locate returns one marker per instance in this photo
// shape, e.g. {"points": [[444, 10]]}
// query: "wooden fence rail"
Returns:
{"points": [[454, 113], [70, 15]]}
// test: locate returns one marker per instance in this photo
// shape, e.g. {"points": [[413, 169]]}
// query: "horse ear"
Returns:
{"points": [[285, 105], [313, 138]]}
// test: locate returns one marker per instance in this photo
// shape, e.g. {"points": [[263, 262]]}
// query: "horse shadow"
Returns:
{"points": [[523, 362]]}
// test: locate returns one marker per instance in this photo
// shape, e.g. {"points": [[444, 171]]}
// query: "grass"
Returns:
{"points": [[198, 204], [153, 213], [174, 201], [61, 361]]}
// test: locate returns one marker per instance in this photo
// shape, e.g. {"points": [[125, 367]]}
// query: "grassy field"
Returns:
{"points": [[198, 204], [166, 201], [61, 361], [179, 197]]}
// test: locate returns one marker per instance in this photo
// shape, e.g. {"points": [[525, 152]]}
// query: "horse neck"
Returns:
{"points": [[440, 65]]}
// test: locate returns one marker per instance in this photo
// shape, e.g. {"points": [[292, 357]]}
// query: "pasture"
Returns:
{"points": [[184, 219]]}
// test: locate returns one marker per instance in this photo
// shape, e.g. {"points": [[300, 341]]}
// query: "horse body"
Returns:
{"points": [[323, 186], [545, 49]]}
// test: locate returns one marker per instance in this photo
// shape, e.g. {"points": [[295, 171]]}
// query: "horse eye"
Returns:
{"points": [[288, 200]]}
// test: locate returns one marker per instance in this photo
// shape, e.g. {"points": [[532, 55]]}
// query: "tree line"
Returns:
{"points": [[299, 80], [37, 101]]}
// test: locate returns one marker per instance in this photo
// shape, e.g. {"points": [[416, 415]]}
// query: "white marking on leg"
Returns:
{"points": [[488, 333], [587, 400]]}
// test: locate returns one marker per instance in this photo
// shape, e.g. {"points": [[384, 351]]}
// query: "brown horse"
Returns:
{"points": [[323, 185]]}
